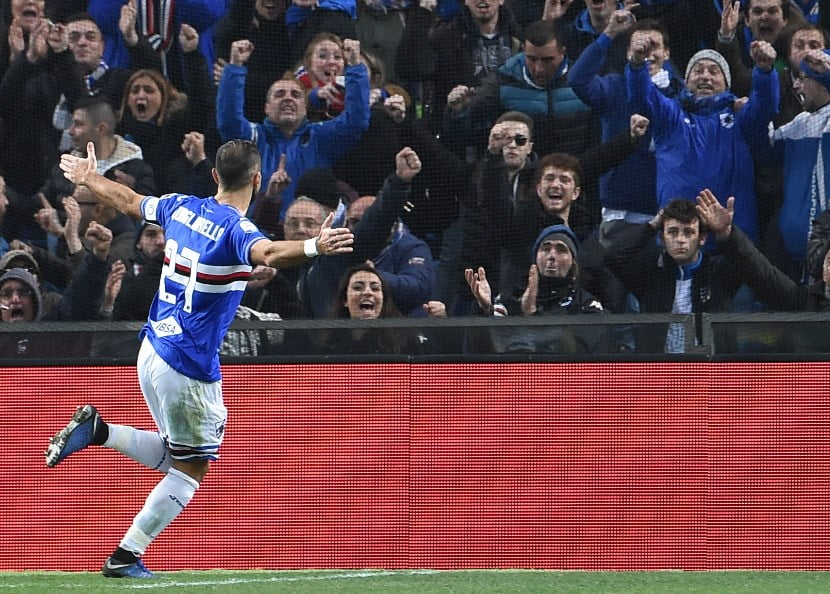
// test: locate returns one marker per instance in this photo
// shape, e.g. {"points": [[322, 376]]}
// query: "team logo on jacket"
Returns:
{"points": [[727, 119]]}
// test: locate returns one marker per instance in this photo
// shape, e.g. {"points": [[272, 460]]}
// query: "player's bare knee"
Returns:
{"points": [[196, 469]]}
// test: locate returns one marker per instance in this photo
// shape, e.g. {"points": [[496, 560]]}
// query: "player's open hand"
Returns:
{"points": [[77, 169]]}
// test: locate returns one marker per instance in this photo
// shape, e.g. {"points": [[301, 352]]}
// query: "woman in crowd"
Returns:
{"points": [[321, 73], [362, 295], [158, 117]]}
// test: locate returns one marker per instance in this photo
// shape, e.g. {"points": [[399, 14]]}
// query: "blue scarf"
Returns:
{"points": [[688, 270], [706, 105]]}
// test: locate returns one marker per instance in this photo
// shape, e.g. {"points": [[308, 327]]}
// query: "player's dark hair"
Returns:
{"points": [[237, 162]]}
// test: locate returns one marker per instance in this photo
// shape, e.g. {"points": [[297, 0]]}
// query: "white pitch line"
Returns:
{"points": [[336, 576], [164, 583]]}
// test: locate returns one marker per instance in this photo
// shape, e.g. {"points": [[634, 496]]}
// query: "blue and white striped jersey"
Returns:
{"points": [[206, 267]]}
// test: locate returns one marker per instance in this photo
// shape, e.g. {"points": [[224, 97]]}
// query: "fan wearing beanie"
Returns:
{"points": [[707, 139], [552, 285]]}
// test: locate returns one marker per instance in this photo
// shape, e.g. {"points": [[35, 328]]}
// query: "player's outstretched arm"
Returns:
{"points": [[283, 254], [83, 172]]}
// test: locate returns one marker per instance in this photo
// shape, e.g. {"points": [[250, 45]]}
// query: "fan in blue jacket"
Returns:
{"points": [[286, 130], [627, 192], [706, 140], [803, 144]]}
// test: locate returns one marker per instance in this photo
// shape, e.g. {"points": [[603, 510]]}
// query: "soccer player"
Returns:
{"points": [[210, 251]]}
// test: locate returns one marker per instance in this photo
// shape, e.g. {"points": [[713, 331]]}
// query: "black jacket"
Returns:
{"points": [[774, 288], [647, 271], [445, 56]]}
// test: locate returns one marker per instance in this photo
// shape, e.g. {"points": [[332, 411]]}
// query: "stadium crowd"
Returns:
{"points": [[570, 152]]}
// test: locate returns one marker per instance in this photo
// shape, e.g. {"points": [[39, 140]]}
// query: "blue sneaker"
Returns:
{"points": [[77, 435], [116, 569]]}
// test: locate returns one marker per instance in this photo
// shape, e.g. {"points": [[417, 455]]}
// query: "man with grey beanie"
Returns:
{"points": [[708, 139]]}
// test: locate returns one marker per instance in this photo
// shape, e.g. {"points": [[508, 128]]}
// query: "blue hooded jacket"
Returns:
{"points": [[631, 186], [313, 144], [705, 143]]}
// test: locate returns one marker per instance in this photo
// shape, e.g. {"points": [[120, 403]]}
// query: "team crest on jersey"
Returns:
{"points": [[247, 226]]}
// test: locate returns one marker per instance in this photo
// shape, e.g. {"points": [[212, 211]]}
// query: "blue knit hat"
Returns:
{"points": [[561, 233]]}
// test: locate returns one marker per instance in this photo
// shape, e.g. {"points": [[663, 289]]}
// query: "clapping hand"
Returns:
{"points": [[351, 47], [480, 288], [73, 221], [241, 51], [729, 18], [555, 9], [47, 218], [620, 22], [641, 45], [817, 60], [113, 286], [435, 309], [531, 293], [127, 22], [193, 147], [638, 125], [396, 108], [188, 38], [763, 54], [100, 239], [459, 98]]}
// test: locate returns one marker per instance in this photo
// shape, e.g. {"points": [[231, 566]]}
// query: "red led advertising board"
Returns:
{"points": [[452, 466]]}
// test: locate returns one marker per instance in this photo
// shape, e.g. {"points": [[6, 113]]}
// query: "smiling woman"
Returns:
{"points": [[363, 295]]}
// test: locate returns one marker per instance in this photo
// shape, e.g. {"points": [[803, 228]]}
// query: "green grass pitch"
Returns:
{"points": [[427, 582]]}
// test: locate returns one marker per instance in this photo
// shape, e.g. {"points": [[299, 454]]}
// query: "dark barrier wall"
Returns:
{"points": [[569, 466]]}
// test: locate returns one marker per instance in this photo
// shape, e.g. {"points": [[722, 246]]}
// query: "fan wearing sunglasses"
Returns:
{"points": [[502, 178]]}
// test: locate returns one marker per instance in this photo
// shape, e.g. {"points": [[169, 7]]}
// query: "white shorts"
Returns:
{"points": [[189, 413]]}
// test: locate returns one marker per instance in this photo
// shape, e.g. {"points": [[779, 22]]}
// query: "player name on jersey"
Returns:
{"points": [[199, 224]]}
